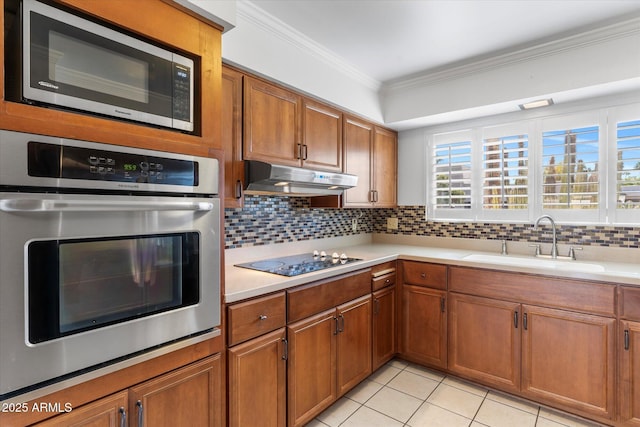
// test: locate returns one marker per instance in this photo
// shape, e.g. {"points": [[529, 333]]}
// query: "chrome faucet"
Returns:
{"points": [[554, 247]]}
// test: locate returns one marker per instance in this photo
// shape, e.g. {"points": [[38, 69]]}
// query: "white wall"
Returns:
{"points": [[262, 45]]}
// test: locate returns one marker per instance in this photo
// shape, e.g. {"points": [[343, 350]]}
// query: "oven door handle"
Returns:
{"points": [[34, 205]]}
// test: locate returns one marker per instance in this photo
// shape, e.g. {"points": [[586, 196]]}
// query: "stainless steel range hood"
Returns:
{"points": [[270, 179]]}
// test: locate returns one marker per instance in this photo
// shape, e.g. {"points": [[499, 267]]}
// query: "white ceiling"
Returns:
{"points": [[390, 40]]}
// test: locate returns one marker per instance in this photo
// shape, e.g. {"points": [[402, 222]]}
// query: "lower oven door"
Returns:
{"points": [[86, 280]]}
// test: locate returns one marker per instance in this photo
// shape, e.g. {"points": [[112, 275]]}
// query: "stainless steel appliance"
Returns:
{"points": [[267, 178], [106, 252], [294, 265], [61, 59]]}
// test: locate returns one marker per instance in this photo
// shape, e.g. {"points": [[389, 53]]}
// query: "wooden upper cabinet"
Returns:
{"points": [[358, 135], [321, 137], [195, 37], [371, 153], [385, 167], [271, 123], [232, 137]]}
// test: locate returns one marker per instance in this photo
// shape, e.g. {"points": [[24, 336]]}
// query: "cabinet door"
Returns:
{"points": [[484, 340], [107, 412], [568, 359], [271, 123], [232, 137], [187, 397], [630, 373], [354, 343], [311, 366], [384, 167], [358, 137], [424, 325], [384, 326], [322, 137], [257, 382]]}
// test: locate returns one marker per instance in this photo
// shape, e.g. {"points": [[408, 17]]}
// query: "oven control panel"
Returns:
{"points": [[57, 161]]}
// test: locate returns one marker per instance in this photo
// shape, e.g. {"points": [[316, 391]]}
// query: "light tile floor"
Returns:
{"points": [[404, 394]]}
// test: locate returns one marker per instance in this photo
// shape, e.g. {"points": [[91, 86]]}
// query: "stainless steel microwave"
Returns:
{"points": [[64, 60]]}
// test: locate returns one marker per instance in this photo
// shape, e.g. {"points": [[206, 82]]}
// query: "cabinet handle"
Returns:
{"points": [[285, 354], [376, 306], [299, 155], [375, 195], [238, 189], [423, 275], [626, 339], [140, 414], [525, 326], [341, 318], [335, 331], [262, 317], [304, 152], [515, 319], [123, 417], [442, 304]]}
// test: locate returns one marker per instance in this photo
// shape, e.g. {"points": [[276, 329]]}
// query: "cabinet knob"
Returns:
{"points": [[423, 275], [262, 317]]}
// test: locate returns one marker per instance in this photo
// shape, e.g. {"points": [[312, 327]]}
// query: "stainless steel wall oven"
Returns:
{"points": [[105, 252]]}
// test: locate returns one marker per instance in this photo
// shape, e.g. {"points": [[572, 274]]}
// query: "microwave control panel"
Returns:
{"points": [[57, 161]]}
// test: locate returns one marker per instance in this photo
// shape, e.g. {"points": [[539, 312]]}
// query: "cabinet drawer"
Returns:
{"points": [[383, 281], [256, 317], [630, 303], [425, 274]]}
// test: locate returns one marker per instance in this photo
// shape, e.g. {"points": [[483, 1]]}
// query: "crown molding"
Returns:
{"points": [[251, 12], [593, 37]]}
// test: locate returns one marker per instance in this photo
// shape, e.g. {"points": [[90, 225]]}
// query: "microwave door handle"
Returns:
{"points": [[33, 205]]}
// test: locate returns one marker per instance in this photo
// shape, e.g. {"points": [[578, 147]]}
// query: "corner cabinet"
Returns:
{"points": [[371, 153]]}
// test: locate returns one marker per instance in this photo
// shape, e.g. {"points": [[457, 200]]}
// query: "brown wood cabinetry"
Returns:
{"points": [[108, 412], [370, 152], [187, 397], [581, 372], [321, 136], [501, 336], [257, 381], [329, 342], [629, 356], [423, 336], [232, 137], [271, 123], [189, 34], [383, 280]]}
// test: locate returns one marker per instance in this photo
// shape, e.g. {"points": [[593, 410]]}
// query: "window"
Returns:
{"points": [[578, 168], [452, 171], [570, 168]]}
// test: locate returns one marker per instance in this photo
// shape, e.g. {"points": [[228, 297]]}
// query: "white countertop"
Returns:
{"points": [[597, 264]]}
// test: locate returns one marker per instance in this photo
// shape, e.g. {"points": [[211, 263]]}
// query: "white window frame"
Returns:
{"points": [[619, 216]]}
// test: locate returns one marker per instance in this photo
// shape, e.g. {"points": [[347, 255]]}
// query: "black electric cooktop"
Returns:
{"points": [[294, 265]]}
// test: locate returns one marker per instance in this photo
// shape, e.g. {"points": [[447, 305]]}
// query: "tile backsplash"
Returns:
{"points": [[266, 220]]}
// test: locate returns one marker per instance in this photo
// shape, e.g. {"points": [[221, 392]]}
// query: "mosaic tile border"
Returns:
{"points": [[267, 220]]}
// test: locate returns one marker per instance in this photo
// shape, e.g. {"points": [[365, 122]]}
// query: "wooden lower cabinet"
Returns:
{"points": [[257, 381], [384, 326], [108, 412], [484, 340], [629, 373], [187, 397], [329, 353], [568, 359], [424, 325]]}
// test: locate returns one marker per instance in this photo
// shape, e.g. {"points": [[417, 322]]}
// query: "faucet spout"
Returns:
{"points": [[554, 246]]}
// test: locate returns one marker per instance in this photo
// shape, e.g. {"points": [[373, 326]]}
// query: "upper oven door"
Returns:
{"points": [[72, 62], [87, 279]]}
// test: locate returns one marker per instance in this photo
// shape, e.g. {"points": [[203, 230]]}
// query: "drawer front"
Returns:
{"points": [[630, 303], [315, 297], [256, 317], [383, 281], [425, 274]]}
